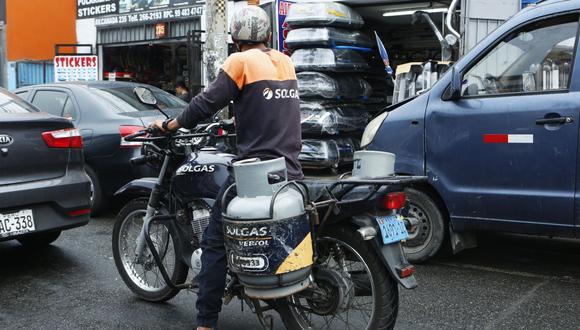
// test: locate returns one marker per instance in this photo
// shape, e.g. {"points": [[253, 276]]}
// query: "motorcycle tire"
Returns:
{"points": [[180, 270], [385, 297]]}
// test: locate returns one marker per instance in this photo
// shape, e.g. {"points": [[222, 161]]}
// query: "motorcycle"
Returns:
{"points": [[358, 260]]}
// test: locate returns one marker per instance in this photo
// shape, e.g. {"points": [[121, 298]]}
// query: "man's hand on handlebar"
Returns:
{"points": [[167, 126]]}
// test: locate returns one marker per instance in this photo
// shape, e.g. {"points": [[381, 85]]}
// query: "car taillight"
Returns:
{"points": [[127, 130], [80, 212], [65, 138], [393, 201]]}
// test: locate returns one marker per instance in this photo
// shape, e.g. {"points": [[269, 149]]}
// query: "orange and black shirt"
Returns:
{"points": [[263, 86]]}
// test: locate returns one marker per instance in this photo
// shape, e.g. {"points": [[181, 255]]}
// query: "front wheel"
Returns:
{"points": [[352, 288], [142, 275]]}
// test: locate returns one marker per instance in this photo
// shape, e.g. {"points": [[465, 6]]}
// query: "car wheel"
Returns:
{"points": [[39, 240], [426, 227], [96, 192]]}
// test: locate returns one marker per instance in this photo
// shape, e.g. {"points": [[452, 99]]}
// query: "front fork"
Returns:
{"points": [[152, 207]]}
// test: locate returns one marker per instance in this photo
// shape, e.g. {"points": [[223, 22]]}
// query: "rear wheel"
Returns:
{"points": [[143, 276], [352, 288], [96, 191], [39, 240], [426, 229]]}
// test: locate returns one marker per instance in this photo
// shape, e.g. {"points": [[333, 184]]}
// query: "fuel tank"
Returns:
{"points": [[201, 175]]}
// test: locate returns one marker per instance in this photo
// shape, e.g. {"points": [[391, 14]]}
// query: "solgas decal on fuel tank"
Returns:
{"points": [[188, 168]]}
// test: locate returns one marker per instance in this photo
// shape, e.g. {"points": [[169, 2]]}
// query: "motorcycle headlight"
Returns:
{"points": [[371, 129]]}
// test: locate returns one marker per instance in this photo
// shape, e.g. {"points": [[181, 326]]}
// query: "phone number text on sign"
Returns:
{"points": [[150, 16]]}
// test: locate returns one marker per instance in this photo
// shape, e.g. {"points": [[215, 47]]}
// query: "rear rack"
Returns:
{"points": [[333, 202]]}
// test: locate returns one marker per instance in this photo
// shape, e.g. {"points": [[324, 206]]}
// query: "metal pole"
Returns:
{"points": [[3, 71], [216, 41]]}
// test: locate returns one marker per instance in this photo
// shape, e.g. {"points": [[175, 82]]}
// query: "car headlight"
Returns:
{"points": [[372, 129]]}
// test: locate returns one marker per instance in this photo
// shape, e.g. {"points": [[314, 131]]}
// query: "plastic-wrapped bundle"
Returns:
{"points": [[355, 106], [316, 118], [320, 85], [323, 14], [319, 154], [326, 37], [329, 153], [346, 149], [325, 59]]}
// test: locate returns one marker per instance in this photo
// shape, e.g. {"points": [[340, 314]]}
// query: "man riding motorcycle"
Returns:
{"points": [[262, 84]]}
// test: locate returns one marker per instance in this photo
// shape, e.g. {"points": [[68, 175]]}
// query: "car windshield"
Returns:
{"points": [[13, 104], [124, 100]]}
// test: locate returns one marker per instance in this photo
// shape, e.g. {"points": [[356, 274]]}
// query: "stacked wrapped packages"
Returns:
{"points": [[327, 53]]}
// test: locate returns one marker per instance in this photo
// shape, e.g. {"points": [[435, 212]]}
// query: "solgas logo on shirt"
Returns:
{"points": [[280, 93], [268, 93]]}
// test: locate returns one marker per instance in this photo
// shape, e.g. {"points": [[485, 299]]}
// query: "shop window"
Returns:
{"points": [[536, 58], [50, 101]]}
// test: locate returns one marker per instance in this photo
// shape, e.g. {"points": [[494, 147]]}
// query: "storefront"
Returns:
{"points": [[157, 42]]}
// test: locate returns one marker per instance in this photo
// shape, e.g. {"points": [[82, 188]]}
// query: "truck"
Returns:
{"points": [[497, 136]]}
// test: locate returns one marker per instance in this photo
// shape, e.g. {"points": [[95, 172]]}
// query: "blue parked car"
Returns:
{"points": [[497, 136]]}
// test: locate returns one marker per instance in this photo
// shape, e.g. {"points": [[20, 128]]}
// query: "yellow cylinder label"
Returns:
{"points": [[301, 257]]}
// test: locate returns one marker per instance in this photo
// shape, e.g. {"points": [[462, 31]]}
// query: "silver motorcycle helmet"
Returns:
{"points": [[250, 24]]}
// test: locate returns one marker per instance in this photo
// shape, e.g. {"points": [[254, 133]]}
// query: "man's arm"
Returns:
{"points": [[215, 97]]}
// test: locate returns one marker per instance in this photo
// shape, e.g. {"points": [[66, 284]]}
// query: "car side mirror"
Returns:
{"points": [[453, 92], [145, 95]]}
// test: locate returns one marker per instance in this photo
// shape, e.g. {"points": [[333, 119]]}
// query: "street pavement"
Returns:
{"points": [[509, 282]]}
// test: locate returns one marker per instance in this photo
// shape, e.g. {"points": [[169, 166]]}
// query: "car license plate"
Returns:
{"points": [[392, 228], [16, 223]]}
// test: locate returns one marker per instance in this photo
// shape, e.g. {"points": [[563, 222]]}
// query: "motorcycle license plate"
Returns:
{"points": [[392, 228], [16, 223]]}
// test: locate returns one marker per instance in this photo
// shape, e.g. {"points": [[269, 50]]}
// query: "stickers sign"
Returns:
{"points": [[93, 8], [76, 68]]}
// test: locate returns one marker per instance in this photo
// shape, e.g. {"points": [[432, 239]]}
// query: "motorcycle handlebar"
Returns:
{"points": [[131, 137], [155, 133], [142, 160]]}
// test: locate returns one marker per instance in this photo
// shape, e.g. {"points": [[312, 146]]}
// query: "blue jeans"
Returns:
{"points": [[212, 277]]}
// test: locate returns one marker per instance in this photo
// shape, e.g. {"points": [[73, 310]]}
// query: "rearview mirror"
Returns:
{"points": [[145, 95], [454, 91]]}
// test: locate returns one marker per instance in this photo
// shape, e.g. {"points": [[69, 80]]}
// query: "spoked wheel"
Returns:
{"points": [[142, 275], [351, 290]]}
